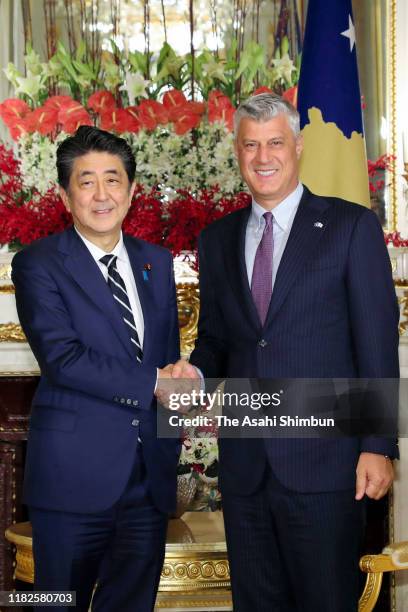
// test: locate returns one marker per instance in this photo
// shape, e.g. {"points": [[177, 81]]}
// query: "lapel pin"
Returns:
{"points": [[146, 269], [318, 224]]}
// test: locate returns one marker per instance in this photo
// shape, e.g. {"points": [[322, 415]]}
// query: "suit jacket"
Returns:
{"points": [[333, 313], [94, 399]]}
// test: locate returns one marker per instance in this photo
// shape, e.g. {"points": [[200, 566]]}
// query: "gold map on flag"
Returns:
{"points": [[327, 147]]}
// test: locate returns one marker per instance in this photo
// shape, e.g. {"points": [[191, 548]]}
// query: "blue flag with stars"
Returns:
{"points": [[334, 159]]}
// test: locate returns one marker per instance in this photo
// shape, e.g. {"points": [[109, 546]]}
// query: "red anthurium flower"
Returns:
{"points": [[14, 113], [119, 120], [186, 121], [220, 108], [262, 89], [72, 116], [58, 102], [101, 101], [18, 128], [13, 108], [43, 120], [151, 113], [291, 95], [132, 119], [174, 97]]}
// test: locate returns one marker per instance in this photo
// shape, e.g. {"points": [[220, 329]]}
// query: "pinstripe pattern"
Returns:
{"points": [[118, 288]]}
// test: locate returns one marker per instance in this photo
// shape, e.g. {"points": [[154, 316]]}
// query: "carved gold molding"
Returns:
{"points": [[11, 332], [6, 288], [5, 272], [188, 304]]}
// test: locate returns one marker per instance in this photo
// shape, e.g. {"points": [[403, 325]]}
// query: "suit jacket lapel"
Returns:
{"points": [[308, 228], [80, 264], [234, 251]]}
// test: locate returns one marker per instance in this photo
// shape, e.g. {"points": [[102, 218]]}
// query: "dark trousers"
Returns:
{"points": [[122, 549], [292, 551]]}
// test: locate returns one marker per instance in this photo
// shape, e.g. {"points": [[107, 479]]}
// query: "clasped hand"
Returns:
{"points": [[177, 379]]}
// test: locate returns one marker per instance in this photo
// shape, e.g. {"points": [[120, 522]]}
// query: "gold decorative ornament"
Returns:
{"points": [[6, 288], [188, 304], [11, 332], [195, 573], [5, 272]]}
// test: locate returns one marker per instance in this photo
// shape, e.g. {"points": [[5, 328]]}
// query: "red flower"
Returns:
{"points": [[185, 118], [101, 101], [220, 108], [72, 115], [119, 120], [58, 102], [145, 219], [43, 120], [262, 89], [152, 113], [291, 95], [173, 98], [14, 112]]}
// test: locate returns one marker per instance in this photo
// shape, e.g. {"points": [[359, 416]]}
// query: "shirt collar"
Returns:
{"points": [[97, 253], [282, 213]]}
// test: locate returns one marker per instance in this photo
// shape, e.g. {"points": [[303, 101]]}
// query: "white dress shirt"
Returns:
{"points": [[125, 270], [283, 215]]}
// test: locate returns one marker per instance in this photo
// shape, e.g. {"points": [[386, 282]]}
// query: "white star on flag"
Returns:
{"points": [[350, 34]]}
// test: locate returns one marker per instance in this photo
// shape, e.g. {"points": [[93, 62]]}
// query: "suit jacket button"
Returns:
{"points": [[262, 343], [135, 422], [135, 403]]}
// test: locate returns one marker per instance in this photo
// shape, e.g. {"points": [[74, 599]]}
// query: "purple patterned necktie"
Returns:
{"points": [[261, 284]]}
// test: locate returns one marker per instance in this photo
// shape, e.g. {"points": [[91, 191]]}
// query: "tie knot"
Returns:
{"points": [[108, 260], [268, 216]]}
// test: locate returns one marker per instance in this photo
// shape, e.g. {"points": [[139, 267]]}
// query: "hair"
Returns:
{"points": [[87, 139], [265, 106]]}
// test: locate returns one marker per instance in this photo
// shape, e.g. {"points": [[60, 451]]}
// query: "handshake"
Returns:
{"points": [[176, 378]]}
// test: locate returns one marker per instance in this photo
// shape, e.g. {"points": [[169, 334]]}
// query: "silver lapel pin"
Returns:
{"points": [[318, 224]]}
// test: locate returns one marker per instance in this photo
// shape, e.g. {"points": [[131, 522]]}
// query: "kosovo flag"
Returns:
{"points": [[334, 161]]}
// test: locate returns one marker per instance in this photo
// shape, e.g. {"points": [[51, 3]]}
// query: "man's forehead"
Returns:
{"points": [[96, 161], [279, 123]]}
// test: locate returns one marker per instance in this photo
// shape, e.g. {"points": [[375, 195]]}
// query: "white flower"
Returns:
{"points": [[135, 86], [283, 68], [30, 86]]}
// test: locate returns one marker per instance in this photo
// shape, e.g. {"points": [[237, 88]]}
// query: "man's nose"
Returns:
{"points": [[263, 155], [100, 191]]}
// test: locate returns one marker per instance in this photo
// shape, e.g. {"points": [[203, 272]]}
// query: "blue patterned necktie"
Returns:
{"points": [[118, 288], [261, 283]]}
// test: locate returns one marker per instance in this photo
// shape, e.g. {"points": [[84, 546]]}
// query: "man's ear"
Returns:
{"points": [[64, 198], [132, 191], [299, 145]]}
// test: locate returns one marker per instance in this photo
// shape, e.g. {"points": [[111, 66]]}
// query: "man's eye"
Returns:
{"points": [[250, 145], [86, 183], [276, 143]]}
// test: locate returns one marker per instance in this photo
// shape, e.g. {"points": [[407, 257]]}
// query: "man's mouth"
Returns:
{"points": [[266, 172], [103, 211]]}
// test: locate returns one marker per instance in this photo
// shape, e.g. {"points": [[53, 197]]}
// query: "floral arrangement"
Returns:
{"points": [[186, 171], [199, 461], [395, 239]]}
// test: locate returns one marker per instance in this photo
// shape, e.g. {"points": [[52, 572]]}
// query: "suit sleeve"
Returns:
{"points": [[374, 316], [210, 353], [63, 358]]}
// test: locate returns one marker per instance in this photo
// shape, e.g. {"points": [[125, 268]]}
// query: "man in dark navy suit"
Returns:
{"points": [[295, 286], [99, 311]]}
